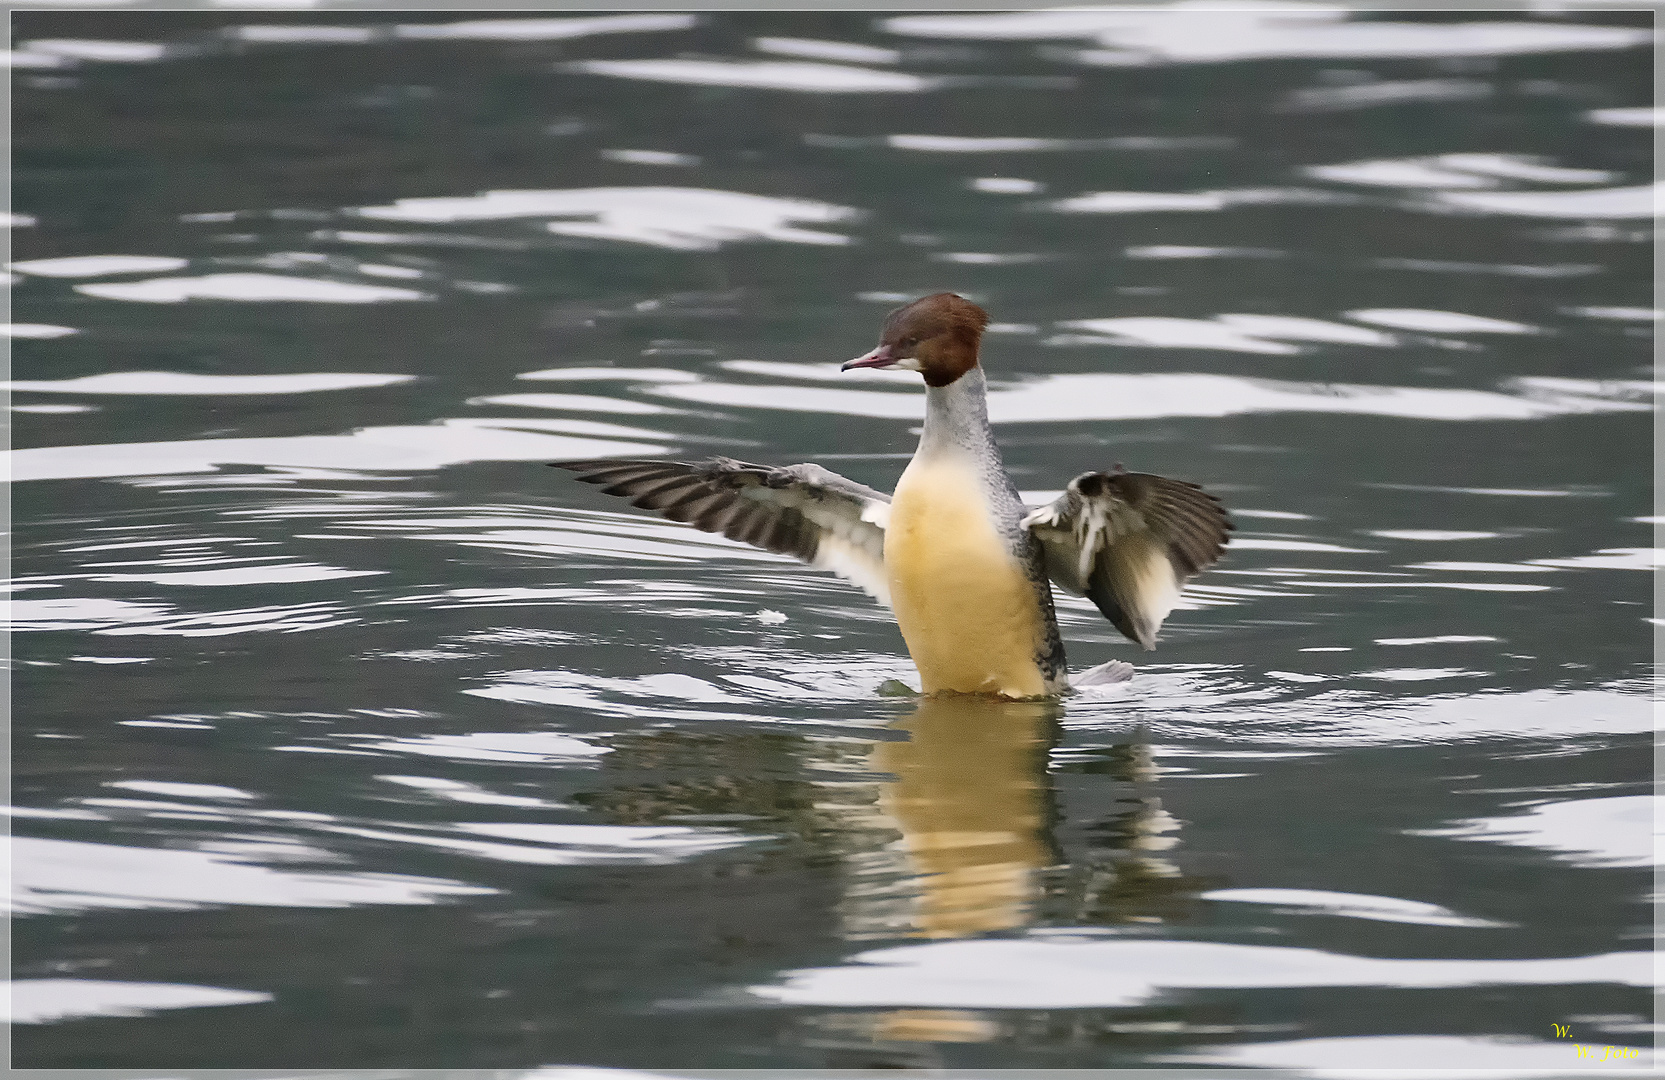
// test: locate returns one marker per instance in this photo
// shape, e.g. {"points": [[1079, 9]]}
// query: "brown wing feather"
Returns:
{"points": [[1128, 541], [800, 510], [1191, 522]]}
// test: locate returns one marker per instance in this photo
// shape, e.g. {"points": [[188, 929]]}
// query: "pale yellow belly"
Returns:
{"points": [[965, 606]]}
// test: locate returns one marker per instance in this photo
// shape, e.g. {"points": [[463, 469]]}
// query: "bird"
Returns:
{"points": [[964, 565]]}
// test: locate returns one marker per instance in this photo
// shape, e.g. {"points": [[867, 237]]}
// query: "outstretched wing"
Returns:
{"points": [[1128, 541], [798, 510]]}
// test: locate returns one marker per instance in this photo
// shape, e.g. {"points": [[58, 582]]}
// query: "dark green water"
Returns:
{"points": [[345, 734]]}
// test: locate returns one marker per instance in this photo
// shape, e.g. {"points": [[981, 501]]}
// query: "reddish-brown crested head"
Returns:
{"points": [[937, 336]]}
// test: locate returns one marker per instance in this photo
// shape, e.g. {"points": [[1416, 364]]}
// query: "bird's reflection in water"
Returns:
{"points": [[948, 826], [958, 829], [967, 797], [951, 830], [1123, 874]]}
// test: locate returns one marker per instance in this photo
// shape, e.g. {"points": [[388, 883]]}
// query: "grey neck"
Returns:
{"points": [[957, 419]]}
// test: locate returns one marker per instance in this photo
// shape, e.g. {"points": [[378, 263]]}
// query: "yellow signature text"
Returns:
{"points": [[1608, 1053]]}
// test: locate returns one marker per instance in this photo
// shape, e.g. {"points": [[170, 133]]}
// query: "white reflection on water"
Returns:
{"points": [[52, 813], [814, 49], [1031, 973], [396, 449], [1438, 322], [1140, 202], [1470, 567], [833, 680], [588, 1072], [1350, 905], [1430, 1057], [566, 845], [1191, 32], [1464, 170], [1526, 270], [1230, 333], [1418, 674], [827, 373], [546, 29], [249, 287], [1466, 586], [459, 791], [242, 575], [1522, 167], [551, 531], [985, 258], [623, 374], [36, 330], [22, 58], [79, 614], [1177, 705], [648, 157], [573, 403], [1014, 144], [1619, 314], [685, 219], [47, 1001], [528, 747], [191, 384], [181, 790], [1529, 493], [1247, 543], [106, 52], [1193, 251], [1414, 173], [1612, 559], [1432, 534], [1437, 176], [804, 77], [1062, 398], [97, 265], [1384, 92], [124, 618], [665, 696], [54, 876], [1633, 116], [1617, 831], [1604, 203], [56, 409], [279, 34]]}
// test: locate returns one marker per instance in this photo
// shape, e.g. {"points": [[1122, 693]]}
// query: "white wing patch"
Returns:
{"points": [[855, 564], [1155, 590], [1129, 541], [851, 544], [1044, 515], [1093, 534]]}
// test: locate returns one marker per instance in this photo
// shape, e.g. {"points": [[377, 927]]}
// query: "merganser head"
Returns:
{"points": [[936, 336]]}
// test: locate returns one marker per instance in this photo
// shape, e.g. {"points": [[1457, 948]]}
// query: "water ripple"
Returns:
{"points": [[1035, 973], [1077, 397]]}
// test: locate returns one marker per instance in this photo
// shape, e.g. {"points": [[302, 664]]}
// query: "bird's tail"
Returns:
{"points": [[1111, 671]]}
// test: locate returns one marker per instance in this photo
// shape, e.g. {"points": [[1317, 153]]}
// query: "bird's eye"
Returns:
{"points": [[910, 341]]}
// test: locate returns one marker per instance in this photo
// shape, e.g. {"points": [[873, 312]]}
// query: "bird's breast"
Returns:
{"points": [[967, 610]]}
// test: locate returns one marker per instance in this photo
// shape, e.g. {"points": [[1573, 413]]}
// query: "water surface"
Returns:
{"points": [[345, 730]]}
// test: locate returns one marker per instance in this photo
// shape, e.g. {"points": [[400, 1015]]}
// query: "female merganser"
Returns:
{"points": [[955, 553]]}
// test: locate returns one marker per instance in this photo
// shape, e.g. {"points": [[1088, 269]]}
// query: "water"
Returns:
{"points": [[347, 734]]}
